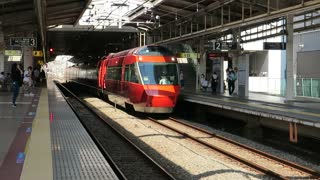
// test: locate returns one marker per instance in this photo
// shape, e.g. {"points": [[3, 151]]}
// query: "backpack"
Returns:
{"points": [[213, 79], [233, 76]]}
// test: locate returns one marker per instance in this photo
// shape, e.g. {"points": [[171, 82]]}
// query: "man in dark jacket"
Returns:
{"points": [[16, 73]]}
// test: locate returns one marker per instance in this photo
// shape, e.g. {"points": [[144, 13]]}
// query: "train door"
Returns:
{"points": [[121, 82], [126, 79], [98, 74], [134, 87]]}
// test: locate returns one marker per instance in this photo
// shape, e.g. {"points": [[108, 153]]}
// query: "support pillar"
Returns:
{"points": [[290, 89], [293, 132], [243, 75], [221, 76], [27, 57], [2, 48], [201, 68], [142, 38]]}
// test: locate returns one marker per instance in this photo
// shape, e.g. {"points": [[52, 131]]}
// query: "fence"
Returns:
{"points": [[267, 85], [308, 87]]}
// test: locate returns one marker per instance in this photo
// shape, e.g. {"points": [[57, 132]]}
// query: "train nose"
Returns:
{"points": [[161, 101]]}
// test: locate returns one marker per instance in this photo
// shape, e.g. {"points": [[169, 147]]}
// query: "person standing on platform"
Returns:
{"points": [[214, 82], [235, 70], [36, 73], [16, 74], [231, 78], [203, 82], [42, 76], [2, 76], [181, 79]]}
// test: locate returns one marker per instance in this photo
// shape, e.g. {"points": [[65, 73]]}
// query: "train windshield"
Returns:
{"points": [[159, 73], [154, 51]]}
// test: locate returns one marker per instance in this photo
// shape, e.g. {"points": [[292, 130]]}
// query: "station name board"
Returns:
{"points": [[274, 45], [23, 41], [220, 45], [188, 55]]}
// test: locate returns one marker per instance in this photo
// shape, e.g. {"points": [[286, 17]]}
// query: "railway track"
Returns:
{"points": [[258, 160], [128, 160]]}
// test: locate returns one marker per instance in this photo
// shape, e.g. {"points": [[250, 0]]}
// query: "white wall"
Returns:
{"points": [[272, 82], [259, 62], [258, 45]]}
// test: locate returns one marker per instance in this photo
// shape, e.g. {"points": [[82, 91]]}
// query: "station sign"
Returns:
{"points": [[208, 46], [37, 53], [189, 55], [221, 46], [215, 56], [274, 45], [23, 41], [12, 53], [14, 58]]}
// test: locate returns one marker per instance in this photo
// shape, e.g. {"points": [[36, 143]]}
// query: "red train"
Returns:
{"points": [[144, 79]]}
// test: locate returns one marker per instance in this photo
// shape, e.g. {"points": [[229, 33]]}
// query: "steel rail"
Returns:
{"points": [[258, 167], [300, 168], [165, 172]]}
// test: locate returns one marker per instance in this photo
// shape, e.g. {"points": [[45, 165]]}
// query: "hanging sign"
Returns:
{"points": [[37, 53], [12, 53], [23, 41], [188, 55], [274, 45]]}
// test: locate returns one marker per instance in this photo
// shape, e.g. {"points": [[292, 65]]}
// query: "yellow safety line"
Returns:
{"points": [[268, 107], [38, 161]]}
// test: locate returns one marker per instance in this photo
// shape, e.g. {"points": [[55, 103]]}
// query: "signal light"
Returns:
{"points": [[51, 50]]}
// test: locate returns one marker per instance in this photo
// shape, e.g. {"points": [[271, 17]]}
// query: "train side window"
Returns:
{"points": [[126, 73], [154, 51], [131, 74]]}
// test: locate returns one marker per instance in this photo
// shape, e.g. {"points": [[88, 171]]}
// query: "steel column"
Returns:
{"points": [[293, 132], [222, 15], [289, 54]]}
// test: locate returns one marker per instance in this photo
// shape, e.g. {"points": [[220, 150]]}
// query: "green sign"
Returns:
{"points": [[12, 53]]}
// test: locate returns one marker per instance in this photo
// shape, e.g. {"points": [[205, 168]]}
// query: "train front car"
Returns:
{"points": [[153, 85], [144, 78]]}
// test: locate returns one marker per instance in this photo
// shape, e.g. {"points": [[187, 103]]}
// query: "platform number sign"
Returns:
{"points": [[23, 41], [217, 45]]}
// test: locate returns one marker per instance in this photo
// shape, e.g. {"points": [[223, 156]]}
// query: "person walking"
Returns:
{"points": [[181, 79], [16, 74], [214, 82], [27, 80]]}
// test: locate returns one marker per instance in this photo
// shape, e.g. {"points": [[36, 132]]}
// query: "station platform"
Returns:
{"points": [[42, 138], [305, 112]]}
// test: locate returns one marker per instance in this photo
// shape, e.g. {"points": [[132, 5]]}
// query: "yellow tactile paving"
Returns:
{"points": [[38, 162]]}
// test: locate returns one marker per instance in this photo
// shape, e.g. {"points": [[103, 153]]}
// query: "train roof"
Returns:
{"points": [[131, 51]]}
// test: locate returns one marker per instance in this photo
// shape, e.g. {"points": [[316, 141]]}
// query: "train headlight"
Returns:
{"points": [[173, 59], [140, 58]]}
